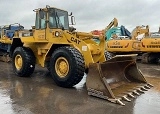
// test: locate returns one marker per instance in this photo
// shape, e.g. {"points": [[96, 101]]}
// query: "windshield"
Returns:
{"points": [[112, 31], [58, 19]]}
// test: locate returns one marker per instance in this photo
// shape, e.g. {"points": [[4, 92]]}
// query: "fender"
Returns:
{"points": [[16, 42]]}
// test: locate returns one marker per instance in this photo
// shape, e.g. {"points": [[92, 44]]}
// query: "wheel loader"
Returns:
{"points": [[68, 54]]}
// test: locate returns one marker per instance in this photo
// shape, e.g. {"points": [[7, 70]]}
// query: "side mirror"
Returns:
{"points": [[41, 14], [73, 20], [72, 29], [33, 27], [70, 14]]}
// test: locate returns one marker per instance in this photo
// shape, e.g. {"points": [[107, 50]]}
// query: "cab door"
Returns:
{"points": [[40, 28]]}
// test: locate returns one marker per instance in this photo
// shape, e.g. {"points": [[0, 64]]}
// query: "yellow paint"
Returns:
{"points": [[18, 62], [123, 45], [62, 67], [92, 54], [113, 23], [150, 44]]}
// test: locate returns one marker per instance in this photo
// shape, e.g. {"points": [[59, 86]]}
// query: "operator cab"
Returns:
{"points": [[118, 33], [50, 23], [52, 18]]}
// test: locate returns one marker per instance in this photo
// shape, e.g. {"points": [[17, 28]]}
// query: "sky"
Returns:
{"points": [[89, 14]]}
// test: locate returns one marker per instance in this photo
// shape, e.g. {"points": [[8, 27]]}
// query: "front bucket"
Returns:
{"points": [[116, 79]]}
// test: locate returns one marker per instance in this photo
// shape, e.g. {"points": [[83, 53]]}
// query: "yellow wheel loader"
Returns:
{"points": [[68, 54]]}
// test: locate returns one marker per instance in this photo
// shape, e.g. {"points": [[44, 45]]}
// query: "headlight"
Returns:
{"points": [[57, 34]]}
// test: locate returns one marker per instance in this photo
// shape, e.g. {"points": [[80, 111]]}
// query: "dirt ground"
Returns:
{"points": [[39, 94]]}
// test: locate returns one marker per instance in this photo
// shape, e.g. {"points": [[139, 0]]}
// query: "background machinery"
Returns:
{"points": [[141, 41], [7, 33], [150, 47], [121, 41], [97, 33], [68, 54], [118, 40]]}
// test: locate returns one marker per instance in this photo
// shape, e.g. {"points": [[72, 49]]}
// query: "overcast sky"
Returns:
{"points": [[89, 14]]}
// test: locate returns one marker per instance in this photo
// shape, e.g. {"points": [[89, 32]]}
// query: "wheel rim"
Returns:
{"points": [[18, 62], [62, 67]]}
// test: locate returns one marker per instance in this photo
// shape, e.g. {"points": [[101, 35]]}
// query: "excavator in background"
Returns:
{"points": [[150, 47], [97, 33], [7, 32], [68, 54], [140, 41], [119, 41], [113, 23]]}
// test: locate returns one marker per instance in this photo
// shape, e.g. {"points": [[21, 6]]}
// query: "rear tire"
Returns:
{"points": [[67, 66], [149, 58], [23, 61]]}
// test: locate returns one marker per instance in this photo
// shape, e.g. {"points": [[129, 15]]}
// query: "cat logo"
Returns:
{"points": [[75, 40]]}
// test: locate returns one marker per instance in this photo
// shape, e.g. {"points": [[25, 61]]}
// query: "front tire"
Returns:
{"points": [[67, 66], [23, 61]]}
